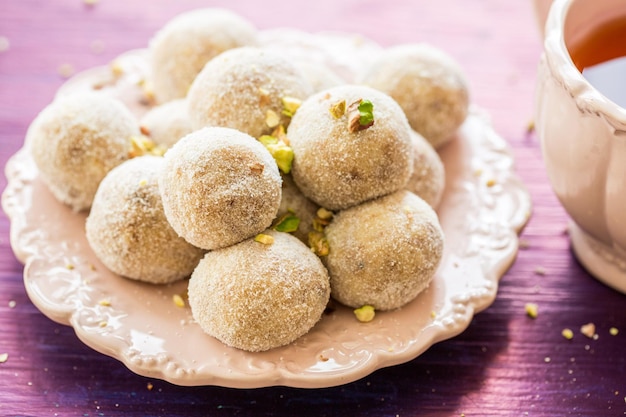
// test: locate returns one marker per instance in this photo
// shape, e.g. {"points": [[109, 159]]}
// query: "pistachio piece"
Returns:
{"points": [[338, 109], [280, 151], [360, 115], [271, 118], [288, 223], [324, 214], [365, 314], [290, 105], [318, 243], [264, 239]]}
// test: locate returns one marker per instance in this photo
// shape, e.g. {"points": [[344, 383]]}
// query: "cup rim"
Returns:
{"points": [[587, 97]]}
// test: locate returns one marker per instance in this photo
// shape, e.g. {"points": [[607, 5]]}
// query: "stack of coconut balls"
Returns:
{"points": [[274, 187]]}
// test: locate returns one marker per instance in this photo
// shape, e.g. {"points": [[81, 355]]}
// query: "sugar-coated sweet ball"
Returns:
{"points": [[294, 203], [76, 140], [219, 186], [258, 296], [384, 252], [428, 180], [179, 51], [429, 85], [167, 123], [248, 89], [127, 228], [343, 157]]}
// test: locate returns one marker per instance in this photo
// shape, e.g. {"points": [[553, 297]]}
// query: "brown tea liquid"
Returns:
{"points": [[601, 57]]}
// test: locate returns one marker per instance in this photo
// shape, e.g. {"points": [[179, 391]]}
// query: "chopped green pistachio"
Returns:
{"points": [[279, 148], [318, 243], [287, 223], [142, 145], [268, 140], [178, 300], [320, 224], [567, 333], [324, 214], [264, 239], [365, 314], [366, 110], [284, 157], [338, 109], [290, 105], [271, 118]]}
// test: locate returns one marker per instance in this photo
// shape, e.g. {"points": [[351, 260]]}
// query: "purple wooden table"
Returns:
{"points": [[505, 363]]}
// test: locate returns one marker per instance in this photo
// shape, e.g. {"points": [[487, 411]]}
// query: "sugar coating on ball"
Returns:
{"points": [[219, 187], [428, 84], [179, 51], [246, 89], [256, 296], [428, 180], [167, 123], [384, 252], [338, 168], [127, 228], [76, 140]]}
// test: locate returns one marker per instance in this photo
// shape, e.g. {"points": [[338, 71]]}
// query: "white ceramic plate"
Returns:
{"points": [[484, 207]]}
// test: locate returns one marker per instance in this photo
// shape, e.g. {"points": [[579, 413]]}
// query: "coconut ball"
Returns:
{"points": [[429, 177], [76, 140], [167, 123], [339, 162], [428, 84], [127, 228], [219, 187], [179, 51], [248, 89], [384, 252], [255, 296]]}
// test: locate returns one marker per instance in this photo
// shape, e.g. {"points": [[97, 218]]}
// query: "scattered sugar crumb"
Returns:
{"points": [[567, 333], [69, 266], [105, 302], [491, 182], [433, 314], [613, 331], [13, 303], [547, 359], [103, 324], [4, 44], [178, 300], [4, 357], [540, 270], [65, 70], [149, 386], [532, 310], [530, 126], [588, 330]]}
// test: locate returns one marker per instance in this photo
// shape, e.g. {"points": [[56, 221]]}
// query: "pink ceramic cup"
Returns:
{"points": [[583, 137]]}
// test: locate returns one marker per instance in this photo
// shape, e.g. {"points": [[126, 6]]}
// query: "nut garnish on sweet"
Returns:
{"points": [[288, 223], [365, 314], [264, 239], [360, 115], [279, 149], [290, 105]]}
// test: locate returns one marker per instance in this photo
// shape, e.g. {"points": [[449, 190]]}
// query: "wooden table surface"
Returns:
{"points": [[505, 363]]}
